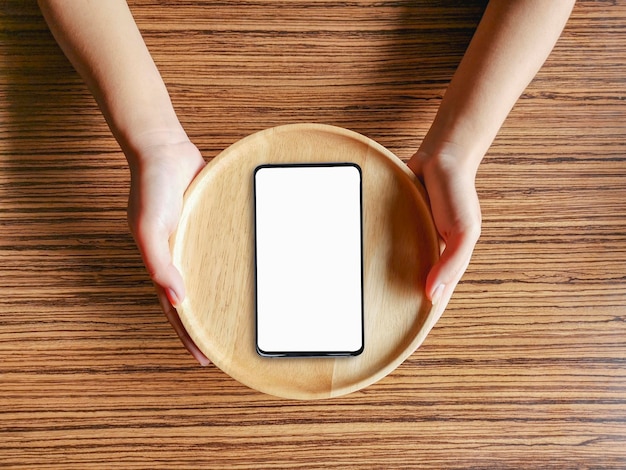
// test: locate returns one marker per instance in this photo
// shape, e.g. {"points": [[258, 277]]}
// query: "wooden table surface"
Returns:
{"points": [[527, 367]]}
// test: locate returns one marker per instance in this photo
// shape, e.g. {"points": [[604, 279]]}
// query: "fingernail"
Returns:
{"points": [[204, 362], [172, 297], [436, 297]]}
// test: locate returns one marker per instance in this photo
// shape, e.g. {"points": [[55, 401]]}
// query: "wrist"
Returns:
{"points": [[147, 123], [445, 158], [158, 145], [454, 136], [147, 128]]}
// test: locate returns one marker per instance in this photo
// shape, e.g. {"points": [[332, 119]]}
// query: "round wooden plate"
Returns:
{"points": [[214, 250]]}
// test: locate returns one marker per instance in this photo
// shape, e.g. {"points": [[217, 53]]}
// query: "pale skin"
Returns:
{"points": [[102, 41]]}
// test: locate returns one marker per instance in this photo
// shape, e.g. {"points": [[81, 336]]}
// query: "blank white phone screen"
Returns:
{"points": [[309, 284]]}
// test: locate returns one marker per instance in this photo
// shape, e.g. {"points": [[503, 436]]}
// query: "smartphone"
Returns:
{"points": [[308, 260]]}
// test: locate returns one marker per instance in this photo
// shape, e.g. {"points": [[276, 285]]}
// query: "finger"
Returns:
{"points": [[153, 243], [179, 328], [447, 272], [415, 165]]}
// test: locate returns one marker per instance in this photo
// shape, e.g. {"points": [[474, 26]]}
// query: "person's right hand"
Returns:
{"points": [[162, 167], [456, 212]]}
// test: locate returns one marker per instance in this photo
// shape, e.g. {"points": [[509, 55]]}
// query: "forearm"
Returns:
{"points": [[103, 43], [511, 43]]}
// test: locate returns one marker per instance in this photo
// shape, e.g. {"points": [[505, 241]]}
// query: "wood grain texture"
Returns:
{"points": [[213, 249], [526, 368]]}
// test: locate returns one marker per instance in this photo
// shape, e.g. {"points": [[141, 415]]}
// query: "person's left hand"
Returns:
{"points": [[449, 183]]}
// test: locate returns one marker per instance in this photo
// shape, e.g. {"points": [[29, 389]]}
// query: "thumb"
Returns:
{"points": [[153, 243], [448, 270]]}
